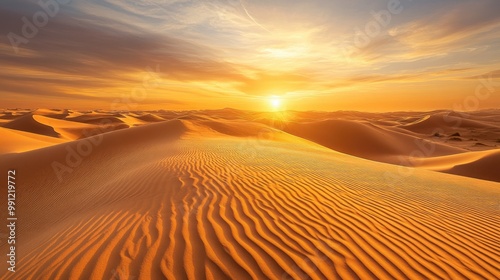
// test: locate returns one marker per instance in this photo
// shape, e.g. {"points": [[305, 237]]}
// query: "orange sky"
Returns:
{"points": [[314, 55]]}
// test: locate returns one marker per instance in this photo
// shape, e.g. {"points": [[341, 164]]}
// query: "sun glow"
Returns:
{"points": [[275, 103]]}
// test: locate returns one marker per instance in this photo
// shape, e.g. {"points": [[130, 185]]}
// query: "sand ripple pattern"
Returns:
{"points": [[209, 210]]}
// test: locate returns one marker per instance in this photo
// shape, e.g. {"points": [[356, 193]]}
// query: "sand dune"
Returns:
{"points": [[68, 129], [7, 115], [181, 206], [74, 113], [445, 121], [15, 141], [364, 140], [97, 118], [234, 128], [484, 168], [132, 121], [28, 123], [481, 164], [15, 112], [230, 194], [53, 113], [149, 118], [388, 137], [56, 126]]}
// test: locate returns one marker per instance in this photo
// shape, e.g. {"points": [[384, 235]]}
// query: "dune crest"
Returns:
{"points": [[14, 141], [364, 140], [28, 123]]}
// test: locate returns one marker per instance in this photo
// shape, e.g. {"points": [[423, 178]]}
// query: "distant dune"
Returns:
{"points": [[446, 121], [230, 194], [364, 140], [28, 123], [15, 141]]}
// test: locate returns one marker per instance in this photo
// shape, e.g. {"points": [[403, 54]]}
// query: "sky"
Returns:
{"points": [[327, 55]]}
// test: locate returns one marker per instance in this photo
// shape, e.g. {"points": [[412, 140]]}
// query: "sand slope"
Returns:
{"points": [[364, 140], [485, 167], [446, 121], [15, 141], [28, 123], [159, 201], [68, 129]]}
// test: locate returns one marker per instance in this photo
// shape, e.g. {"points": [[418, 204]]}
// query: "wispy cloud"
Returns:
{"points": [[236, 49], [452, 29]]}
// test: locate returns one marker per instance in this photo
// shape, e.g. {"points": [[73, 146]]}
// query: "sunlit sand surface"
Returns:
{"points": [[241, 195]]}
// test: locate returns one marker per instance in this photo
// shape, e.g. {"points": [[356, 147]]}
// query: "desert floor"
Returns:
{"points": [[228, 194]]}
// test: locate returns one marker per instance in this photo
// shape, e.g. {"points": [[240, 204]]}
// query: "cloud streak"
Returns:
{"points": [[236, 50]]}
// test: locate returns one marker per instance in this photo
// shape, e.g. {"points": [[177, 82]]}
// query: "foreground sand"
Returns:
{"points": [[196, 198]]}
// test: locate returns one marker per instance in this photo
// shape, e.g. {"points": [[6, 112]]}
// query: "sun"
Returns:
{"points": [[275, 102]]}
